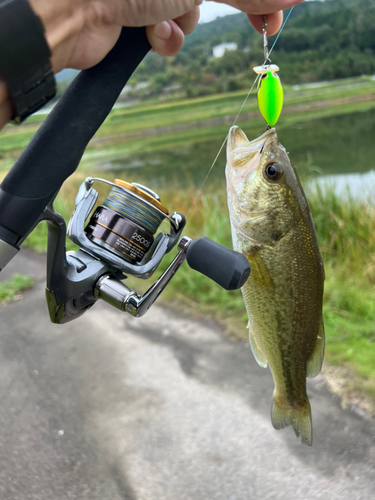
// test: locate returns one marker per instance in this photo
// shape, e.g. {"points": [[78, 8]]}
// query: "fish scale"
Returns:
{"points": [[272, 225]]}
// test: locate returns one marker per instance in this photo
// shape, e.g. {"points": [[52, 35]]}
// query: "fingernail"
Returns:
{"points": [[163, 30]]}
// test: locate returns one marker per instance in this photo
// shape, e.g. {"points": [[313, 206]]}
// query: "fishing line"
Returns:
{"points": [[126, 204], [126, 222], [221, 148], [238, 114], [282, 27]]}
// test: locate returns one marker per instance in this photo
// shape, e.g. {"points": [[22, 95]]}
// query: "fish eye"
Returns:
{"points": [[273, 171]]}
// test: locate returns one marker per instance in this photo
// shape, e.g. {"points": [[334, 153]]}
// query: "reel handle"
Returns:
{"points": [[226, 267]]}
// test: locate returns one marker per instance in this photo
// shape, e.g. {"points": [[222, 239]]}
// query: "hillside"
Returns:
{"points": [[321, 41]]}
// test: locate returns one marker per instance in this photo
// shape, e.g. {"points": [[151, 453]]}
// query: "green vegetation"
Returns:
{"points": [[188, 134], [321, 41], [346, 234], [138, 132], [13, 287]]}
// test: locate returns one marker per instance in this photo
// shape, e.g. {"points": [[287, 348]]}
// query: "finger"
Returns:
{"points": [[166, 38], [274, 22], [261, 7], [188, 21], [137, 13]]}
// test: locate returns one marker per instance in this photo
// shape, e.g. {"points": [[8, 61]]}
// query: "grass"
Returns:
{"points": [[13, 287], [345, 228], [346, 234]]}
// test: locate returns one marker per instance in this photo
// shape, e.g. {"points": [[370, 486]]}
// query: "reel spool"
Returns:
{"points": [[122, 230], [125, 224]]}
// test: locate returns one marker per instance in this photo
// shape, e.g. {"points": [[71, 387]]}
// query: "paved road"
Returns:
{"points": [[160, 408]]}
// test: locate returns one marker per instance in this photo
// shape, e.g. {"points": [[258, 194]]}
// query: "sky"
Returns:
{"points": [[211, 10]]}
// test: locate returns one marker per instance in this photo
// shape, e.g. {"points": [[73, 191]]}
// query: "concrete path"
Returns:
{"points": [[159, 408]]}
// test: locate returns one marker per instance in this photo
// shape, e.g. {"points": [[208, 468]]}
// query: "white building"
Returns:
{"points": [[219, 50]]}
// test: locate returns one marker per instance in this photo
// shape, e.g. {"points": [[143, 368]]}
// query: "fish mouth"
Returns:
{"points": [[266, 139], [241, 151]]}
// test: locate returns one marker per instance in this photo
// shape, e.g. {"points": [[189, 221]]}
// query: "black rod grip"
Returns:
{"points": [[226, 267], [57, 148]]}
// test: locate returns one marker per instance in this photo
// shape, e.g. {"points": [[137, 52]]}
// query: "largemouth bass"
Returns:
{"points": [[272, 225]]}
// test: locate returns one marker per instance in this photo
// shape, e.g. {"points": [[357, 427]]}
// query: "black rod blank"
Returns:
{"points": [[56, 149]]}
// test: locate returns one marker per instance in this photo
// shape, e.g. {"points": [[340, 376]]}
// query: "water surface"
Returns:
{"points": [[328, 146]]}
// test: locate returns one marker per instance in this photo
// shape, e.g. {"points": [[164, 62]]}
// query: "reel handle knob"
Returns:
{"points": [[226, 267]]}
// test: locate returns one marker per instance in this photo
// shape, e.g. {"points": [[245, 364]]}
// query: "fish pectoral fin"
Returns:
{"points": [[315, 362], [254, 242], [259, 271], [299, 417], [259, 355]]}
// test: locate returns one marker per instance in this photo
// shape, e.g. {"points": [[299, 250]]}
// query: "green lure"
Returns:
{"points": [[270, 93]]}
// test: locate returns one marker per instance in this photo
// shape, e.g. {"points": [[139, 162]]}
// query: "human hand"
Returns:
{"points": [[81, 32], [256, 9]]}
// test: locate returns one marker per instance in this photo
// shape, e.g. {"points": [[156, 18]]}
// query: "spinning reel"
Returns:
{"points": [[121, 237], [119, 241]]}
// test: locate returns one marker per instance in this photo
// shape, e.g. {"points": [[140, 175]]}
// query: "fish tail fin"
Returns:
{"points": [[283, 415]]}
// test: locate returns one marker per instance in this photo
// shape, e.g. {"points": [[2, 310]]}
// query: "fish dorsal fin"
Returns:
{"points": [[314, 364], [259, 355], [236, 138], [259, 271]]}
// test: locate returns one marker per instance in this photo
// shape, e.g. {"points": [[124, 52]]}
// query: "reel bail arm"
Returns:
{"points": [[122, 297]]}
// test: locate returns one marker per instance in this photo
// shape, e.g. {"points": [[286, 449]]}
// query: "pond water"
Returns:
{"points": [[323, 148], [355, 186]]}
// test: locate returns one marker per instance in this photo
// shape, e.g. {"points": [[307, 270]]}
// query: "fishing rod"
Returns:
{"points": [[121, 238]]}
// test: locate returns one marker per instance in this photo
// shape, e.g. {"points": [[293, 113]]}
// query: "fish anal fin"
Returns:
{"points": [[259, 355], [259, 271], [315, 362], [283, 415]]}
